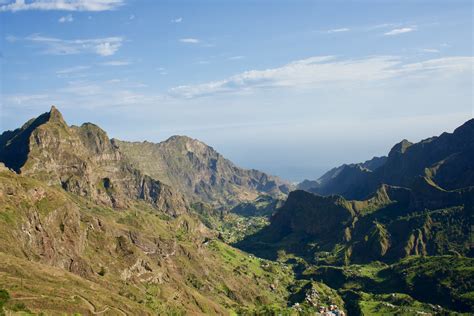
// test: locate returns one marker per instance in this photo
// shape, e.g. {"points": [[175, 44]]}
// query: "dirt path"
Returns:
{"points": [[91, 306], [28, 298]]}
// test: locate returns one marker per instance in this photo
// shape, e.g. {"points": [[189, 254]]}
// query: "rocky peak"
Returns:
{"points": [[400, 148], [190, 145], [55, 115], [15, 145], [84, 161]]}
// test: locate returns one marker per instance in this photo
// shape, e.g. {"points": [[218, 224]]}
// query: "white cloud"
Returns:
{"points": [[106, 48], [67, 18], [26, 98], [321, 71], [236, 57], [382, 26], [190, 40], [429, 50], [400, 31], [72, 70], [116, 63], [177, 20], [101, 46], [62, 5], [344, 29], [131, 17]]}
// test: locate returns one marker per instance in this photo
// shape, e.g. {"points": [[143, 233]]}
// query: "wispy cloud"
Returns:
{"points": [[177, 20], [162, 71], [382, 26], [25, 98], [236, 57], [70, 70], [116, 63], [66, 19], [101, 46], [321, 71], [82, 88], [62, 5], [111, 93], [339, 30], [429, 50], [190, 40], [400, 31]]}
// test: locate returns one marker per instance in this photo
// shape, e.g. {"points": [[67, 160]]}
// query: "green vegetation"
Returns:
{"points": [[136, 260], [4, 297], [99, 230]]}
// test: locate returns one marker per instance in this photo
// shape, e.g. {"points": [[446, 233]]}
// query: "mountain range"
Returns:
{"points": [[94, 225], [446, 160]]}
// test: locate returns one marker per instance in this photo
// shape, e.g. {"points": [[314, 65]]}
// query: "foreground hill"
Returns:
{"points": [[84, 230], [64, 253], [446, 160], [200, 172]]}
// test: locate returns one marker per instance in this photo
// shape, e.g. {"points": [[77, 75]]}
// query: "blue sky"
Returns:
{"points": [[289, 87]]}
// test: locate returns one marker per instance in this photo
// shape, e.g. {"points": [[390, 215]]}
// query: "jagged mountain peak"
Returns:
{"points": [[55, 115], [400, 148], [84, 161], [15, 145]]}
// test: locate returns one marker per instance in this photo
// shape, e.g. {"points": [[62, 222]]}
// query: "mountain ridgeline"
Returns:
{"points": [[201, 173], [416, 201], [93, 225], [445, 160], [84, 161]]}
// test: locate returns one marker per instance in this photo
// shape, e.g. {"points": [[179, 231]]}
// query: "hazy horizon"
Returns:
{"points": [[284, 88]]}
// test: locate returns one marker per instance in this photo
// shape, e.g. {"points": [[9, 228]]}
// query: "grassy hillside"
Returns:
{"points": [[74, 255]]}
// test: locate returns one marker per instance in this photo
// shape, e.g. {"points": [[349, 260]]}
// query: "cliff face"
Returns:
{"points": [[83, 161], [200, 172]]}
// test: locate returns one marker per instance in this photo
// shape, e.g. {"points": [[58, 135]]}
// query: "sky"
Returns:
{"points": [[292, 88]]}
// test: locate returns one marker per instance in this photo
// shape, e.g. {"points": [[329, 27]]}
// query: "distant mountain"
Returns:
{"points": [[445, 160], [343, 178], [200, 172]]}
